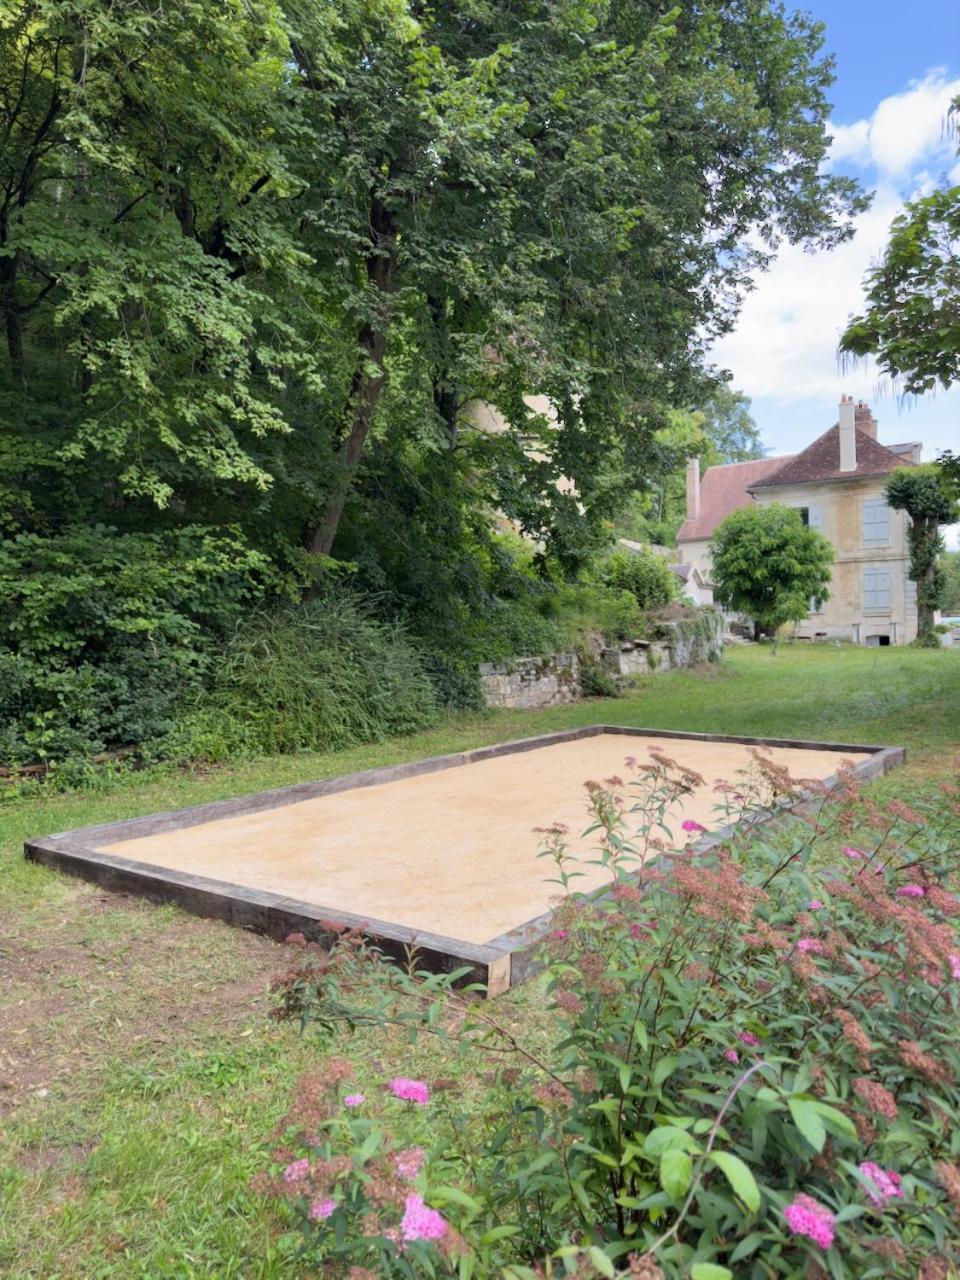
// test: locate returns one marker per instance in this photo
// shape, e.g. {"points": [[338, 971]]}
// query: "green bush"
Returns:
{"points": [[645, 575], [318, 676], [751, 1071], [102, 633]]}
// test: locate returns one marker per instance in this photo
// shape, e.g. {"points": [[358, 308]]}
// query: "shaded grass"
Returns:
{"points": [[140, 1071]]}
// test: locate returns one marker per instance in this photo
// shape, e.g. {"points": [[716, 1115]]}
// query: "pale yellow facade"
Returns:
{"points": [[872, 599]]}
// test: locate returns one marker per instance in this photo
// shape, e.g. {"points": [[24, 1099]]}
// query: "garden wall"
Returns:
{"points": [[688, 641], [531, 682]]}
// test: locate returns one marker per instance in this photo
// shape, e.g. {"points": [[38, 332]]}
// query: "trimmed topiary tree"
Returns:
{"points": [[924, 494], [767, 563]]}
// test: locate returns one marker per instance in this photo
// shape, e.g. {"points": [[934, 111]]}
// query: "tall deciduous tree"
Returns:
{"points": [[926, 498], [769, 565], [911, 322]]}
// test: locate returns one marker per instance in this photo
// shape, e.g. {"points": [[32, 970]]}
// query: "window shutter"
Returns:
{"points": [[876, 522], [877, 590]]}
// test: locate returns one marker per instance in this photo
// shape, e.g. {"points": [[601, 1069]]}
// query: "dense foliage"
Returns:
{"points": [[769, 565], [924, 494], [260, 263], [645, 575], [750, 1066], [911, 323]]}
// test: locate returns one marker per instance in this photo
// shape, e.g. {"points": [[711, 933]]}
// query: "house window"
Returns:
{"points": [[876, 523], [805, 514], [877, 590]]}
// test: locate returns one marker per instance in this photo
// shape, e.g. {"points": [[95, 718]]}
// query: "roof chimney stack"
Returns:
{"points": [[693, 488], [848, 434], [865, 420]]}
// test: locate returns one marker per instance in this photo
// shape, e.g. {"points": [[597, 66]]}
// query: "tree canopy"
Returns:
{"points": [[911, 321], [260, 260], [769, 565]]}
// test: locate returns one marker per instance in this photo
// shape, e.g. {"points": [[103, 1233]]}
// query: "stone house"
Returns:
{"points": [[837, 484]]}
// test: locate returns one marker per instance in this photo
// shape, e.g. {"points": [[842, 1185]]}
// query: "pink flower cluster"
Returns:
{"points": [[748, 1038], [805, 1217], [689, 825], [911, 891], [410, 1090], [421, 1223], [354, 1100], [296, 1172], [810, 944], [955, 965], [321, 1209], [815, 905], [409, 1162], [850, 852], [882, 1184], [731, 1055]]}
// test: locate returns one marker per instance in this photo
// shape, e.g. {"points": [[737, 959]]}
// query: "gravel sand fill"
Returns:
{"points": [[452, 852]]}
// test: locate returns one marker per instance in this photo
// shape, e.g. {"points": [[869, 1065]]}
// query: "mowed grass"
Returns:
{"points": [[141, 1071]]}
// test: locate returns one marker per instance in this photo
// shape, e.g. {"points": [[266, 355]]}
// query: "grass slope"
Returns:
{"points": [[140, 1072]]}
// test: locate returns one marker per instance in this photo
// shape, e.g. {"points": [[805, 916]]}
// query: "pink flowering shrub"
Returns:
{"points": [[754, 1071]]}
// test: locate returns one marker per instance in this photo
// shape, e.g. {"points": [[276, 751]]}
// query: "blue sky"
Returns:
{"points": [[898, 65]]}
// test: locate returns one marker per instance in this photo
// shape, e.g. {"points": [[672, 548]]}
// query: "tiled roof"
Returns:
{"points": [[821, 461], [724, 489]]}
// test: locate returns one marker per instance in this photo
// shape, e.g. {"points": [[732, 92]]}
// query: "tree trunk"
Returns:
{"points": [[927, 534], [366, 385]]}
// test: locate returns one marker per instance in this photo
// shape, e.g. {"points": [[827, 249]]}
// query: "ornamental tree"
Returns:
{"points": [[923, 493], [767, 563]]}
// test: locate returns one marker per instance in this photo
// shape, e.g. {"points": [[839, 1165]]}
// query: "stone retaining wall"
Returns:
{"points": [[531, 682], [544, 682], [683, 642]]}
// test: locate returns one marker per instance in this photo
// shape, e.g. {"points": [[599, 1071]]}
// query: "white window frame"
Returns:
{"points": [[875, 522], [877, 594]]}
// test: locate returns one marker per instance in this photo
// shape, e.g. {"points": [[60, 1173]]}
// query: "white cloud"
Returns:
{"points": [[785, 343], [905, 129]]}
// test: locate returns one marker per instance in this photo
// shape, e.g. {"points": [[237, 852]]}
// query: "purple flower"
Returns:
{"points": [[321, 1209], [911, 891], [689, 825], [354, 1100], [853, 853], [421, 1223], [882, 1184], [296, 1172], [409, 1090], [955, 965], [805, 1217], [748, 1038], [815, 905], [731, 1055], [810, 944]]}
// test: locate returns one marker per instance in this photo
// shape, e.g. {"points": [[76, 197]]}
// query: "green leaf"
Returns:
{"points": [[676, 1173], [667, 1137], [807, 1119], [709, 1271], [456, 1196], [836, 1121], [739, 1176], [664, 1069], [601, 1261]]}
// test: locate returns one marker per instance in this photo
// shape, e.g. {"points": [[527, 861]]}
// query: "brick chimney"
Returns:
{"points": [[848, 434], [693, 488], [865, 420]]}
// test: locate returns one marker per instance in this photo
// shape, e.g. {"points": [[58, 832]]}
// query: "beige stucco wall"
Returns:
{"points": [[839, 505], [844, 616]]}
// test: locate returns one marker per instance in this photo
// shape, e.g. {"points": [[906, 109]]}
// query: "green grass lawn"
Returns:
{"points": [[140, 1069]]}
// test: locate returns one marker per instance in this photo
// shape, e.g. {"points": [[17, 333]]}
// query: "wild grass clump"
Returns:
{"points": [[321, 675], [754, 1070]]}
